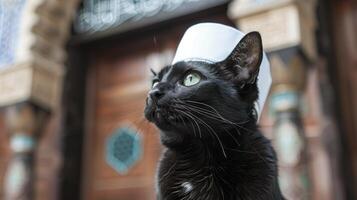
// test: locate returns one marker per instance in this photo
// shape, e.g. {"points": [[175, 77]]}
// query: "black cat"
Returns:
{"points": [[205, 112]]}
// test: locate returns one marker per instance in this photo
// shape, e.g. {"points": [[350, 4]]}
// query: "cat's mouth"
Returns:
{"points": [[165, 116]]}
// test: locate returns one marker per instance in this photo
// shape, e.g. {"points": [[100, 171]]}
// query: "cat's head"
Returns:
{"points": [[195, 99]]}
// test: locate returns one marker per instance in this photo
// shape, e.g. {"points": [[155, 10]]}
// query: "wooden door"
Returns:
{"points": [[118, 81]]}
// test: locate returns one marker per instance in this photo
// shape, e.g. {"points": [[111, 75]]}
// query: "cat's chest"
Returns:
{"points": [[187, 189], [197, 184]]}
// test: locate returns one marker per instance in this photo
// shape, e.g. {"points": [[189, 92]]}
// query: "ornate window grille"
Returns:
{"points": [[99, 15], [10, 18]]}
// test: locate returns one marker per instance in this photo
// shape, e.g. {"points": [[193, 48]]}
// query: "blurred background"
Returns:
{"points": [[74, 76]]}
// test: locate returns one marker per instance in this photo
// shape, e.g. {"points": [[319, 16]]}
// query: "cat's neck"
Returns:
{"points": [[236, 144], [245, 165]]}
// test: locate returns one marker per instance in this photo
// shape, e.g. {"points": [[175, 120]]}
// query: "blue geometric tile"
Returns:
{"points": [[123, 149]]}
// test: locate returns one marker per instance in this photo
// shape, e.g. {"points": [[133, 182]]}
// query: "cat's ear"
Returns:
{"points": [[153, 72], [244, 61]]}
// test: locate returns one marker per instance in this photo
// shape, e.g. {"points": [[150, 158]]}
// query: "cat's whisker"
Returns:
{"points": [[260, 156], [215, 134], [208, 114], [212, 108], [183, 121], [212, 117], [204, 104], [139, 123], [168, 172], [228, 131], [193, 120], [233, 123], [212, 131], [186, 102], [235, 140], [242, 151]]}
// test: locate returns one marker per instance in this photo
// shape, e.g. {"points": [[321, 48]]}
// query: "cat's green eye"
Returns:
{"points": [[154, 84], [191, 79]]}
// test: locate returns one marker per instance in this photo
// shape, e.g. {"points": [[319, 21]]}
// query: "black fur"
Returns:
{"points": [[215, 150]]}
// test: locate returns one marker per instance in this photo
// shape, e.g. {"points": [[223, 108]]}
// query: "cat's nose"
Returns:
{"points": [[155, 95]]}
